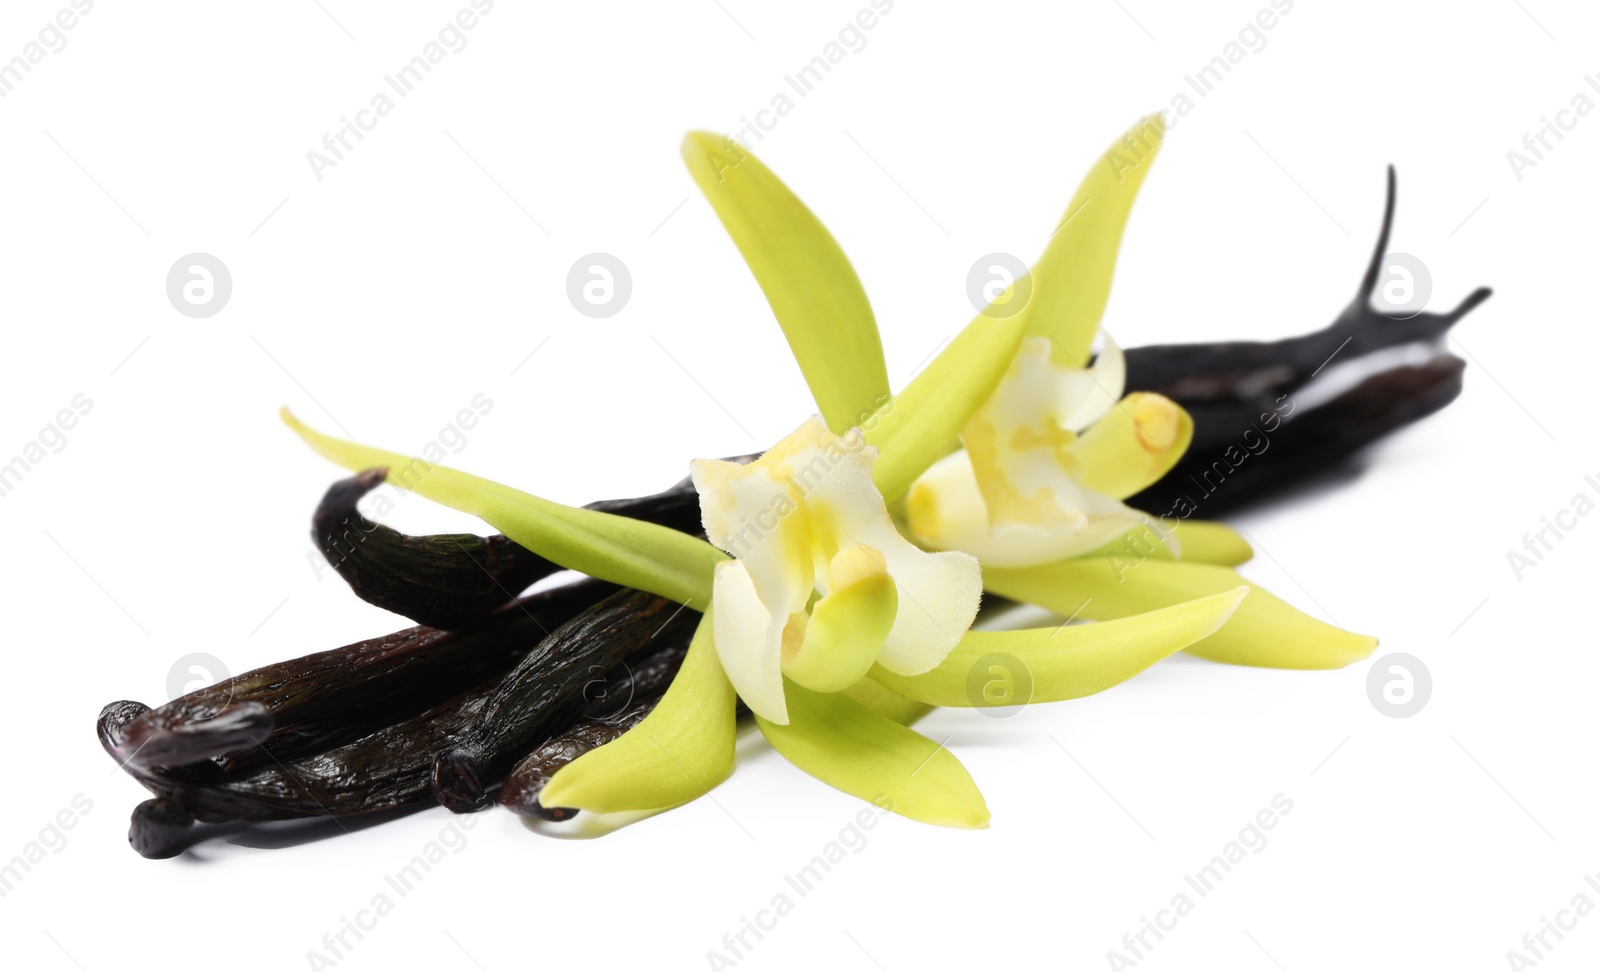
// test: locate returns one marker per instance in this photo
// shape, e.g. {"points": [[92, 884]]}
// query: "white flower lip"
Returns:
{"points": [[1014, 496], [785, 517]]}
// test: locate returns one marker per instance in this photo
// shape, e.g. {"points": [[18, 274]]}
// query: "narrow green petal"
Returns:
{"points": [[1199, 542], [1264, 631], [852, 748], [1072, 280], [1065, 662], [890, 705], [844, 634], [922, 424], [813, 290], [615, 548], [1133, 445], [681, 750]]}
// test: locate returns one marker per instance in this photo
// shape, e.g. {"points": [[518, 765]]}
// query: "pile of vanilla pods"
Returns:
{"points": [[495, 690]]}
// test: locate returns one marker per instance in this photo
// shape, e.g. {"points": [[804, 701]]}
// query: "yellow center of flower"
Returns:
{"points": [[822, 587]]}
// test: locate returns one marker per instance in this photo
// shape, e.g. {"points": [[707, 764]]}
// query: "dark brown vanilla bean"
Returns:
{"points": [[544, 691], [451, 580], [520, 792], [678, 507], [237, 727], [1257, 371], [310, 703], [113, 721], [519, 688], [1207, 483], [159, 828], [447, 580], [628, 695], [1251, 438], [628, 682], [385, 770]]}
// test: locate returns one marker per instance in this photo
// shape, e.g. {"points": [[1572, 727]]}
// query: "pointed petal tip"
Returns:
{"points": [[696, 145], [1232, 599], [564, 790], [698, 137], [975, 817]]}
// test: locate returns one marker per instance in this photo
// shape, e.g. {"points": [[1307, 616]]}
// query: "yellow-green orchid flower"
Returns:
{"points": [[835, 630], [823, 586], [856, 666], [1046, 463], [1050, 456], [817, 595]]}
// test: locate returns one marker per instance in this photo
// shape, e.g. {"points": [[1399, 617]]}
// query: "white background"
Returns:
{"points": [[428, 265]]}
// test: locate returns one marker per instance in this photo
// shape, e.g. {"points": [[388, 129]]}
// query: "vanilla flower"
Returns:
{"points": [[1048, 460], [823, 585], [836, 630]]}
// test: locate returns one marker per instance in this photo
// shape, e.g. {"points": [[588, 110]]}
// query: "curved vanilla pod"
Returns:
{"points": [[447, 580], [520, 792], [545, 690], [1321, 437], [523, 785], [1250, 436], [385, 770], [1230, 371], [111, 728], [305, 704], [1254, 459], [229, 728], [612, 691], [451, 580], [113, 721], [159, 828], [614, 704]]}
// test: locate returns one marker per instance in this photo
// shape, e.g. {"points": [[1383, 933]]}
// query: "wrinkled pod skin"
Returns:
{"points": [[541, 696], [603, 720], [520, 792], [386, 770], [305, 705], [1241, 395], [158, 827], [452, 580]]}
